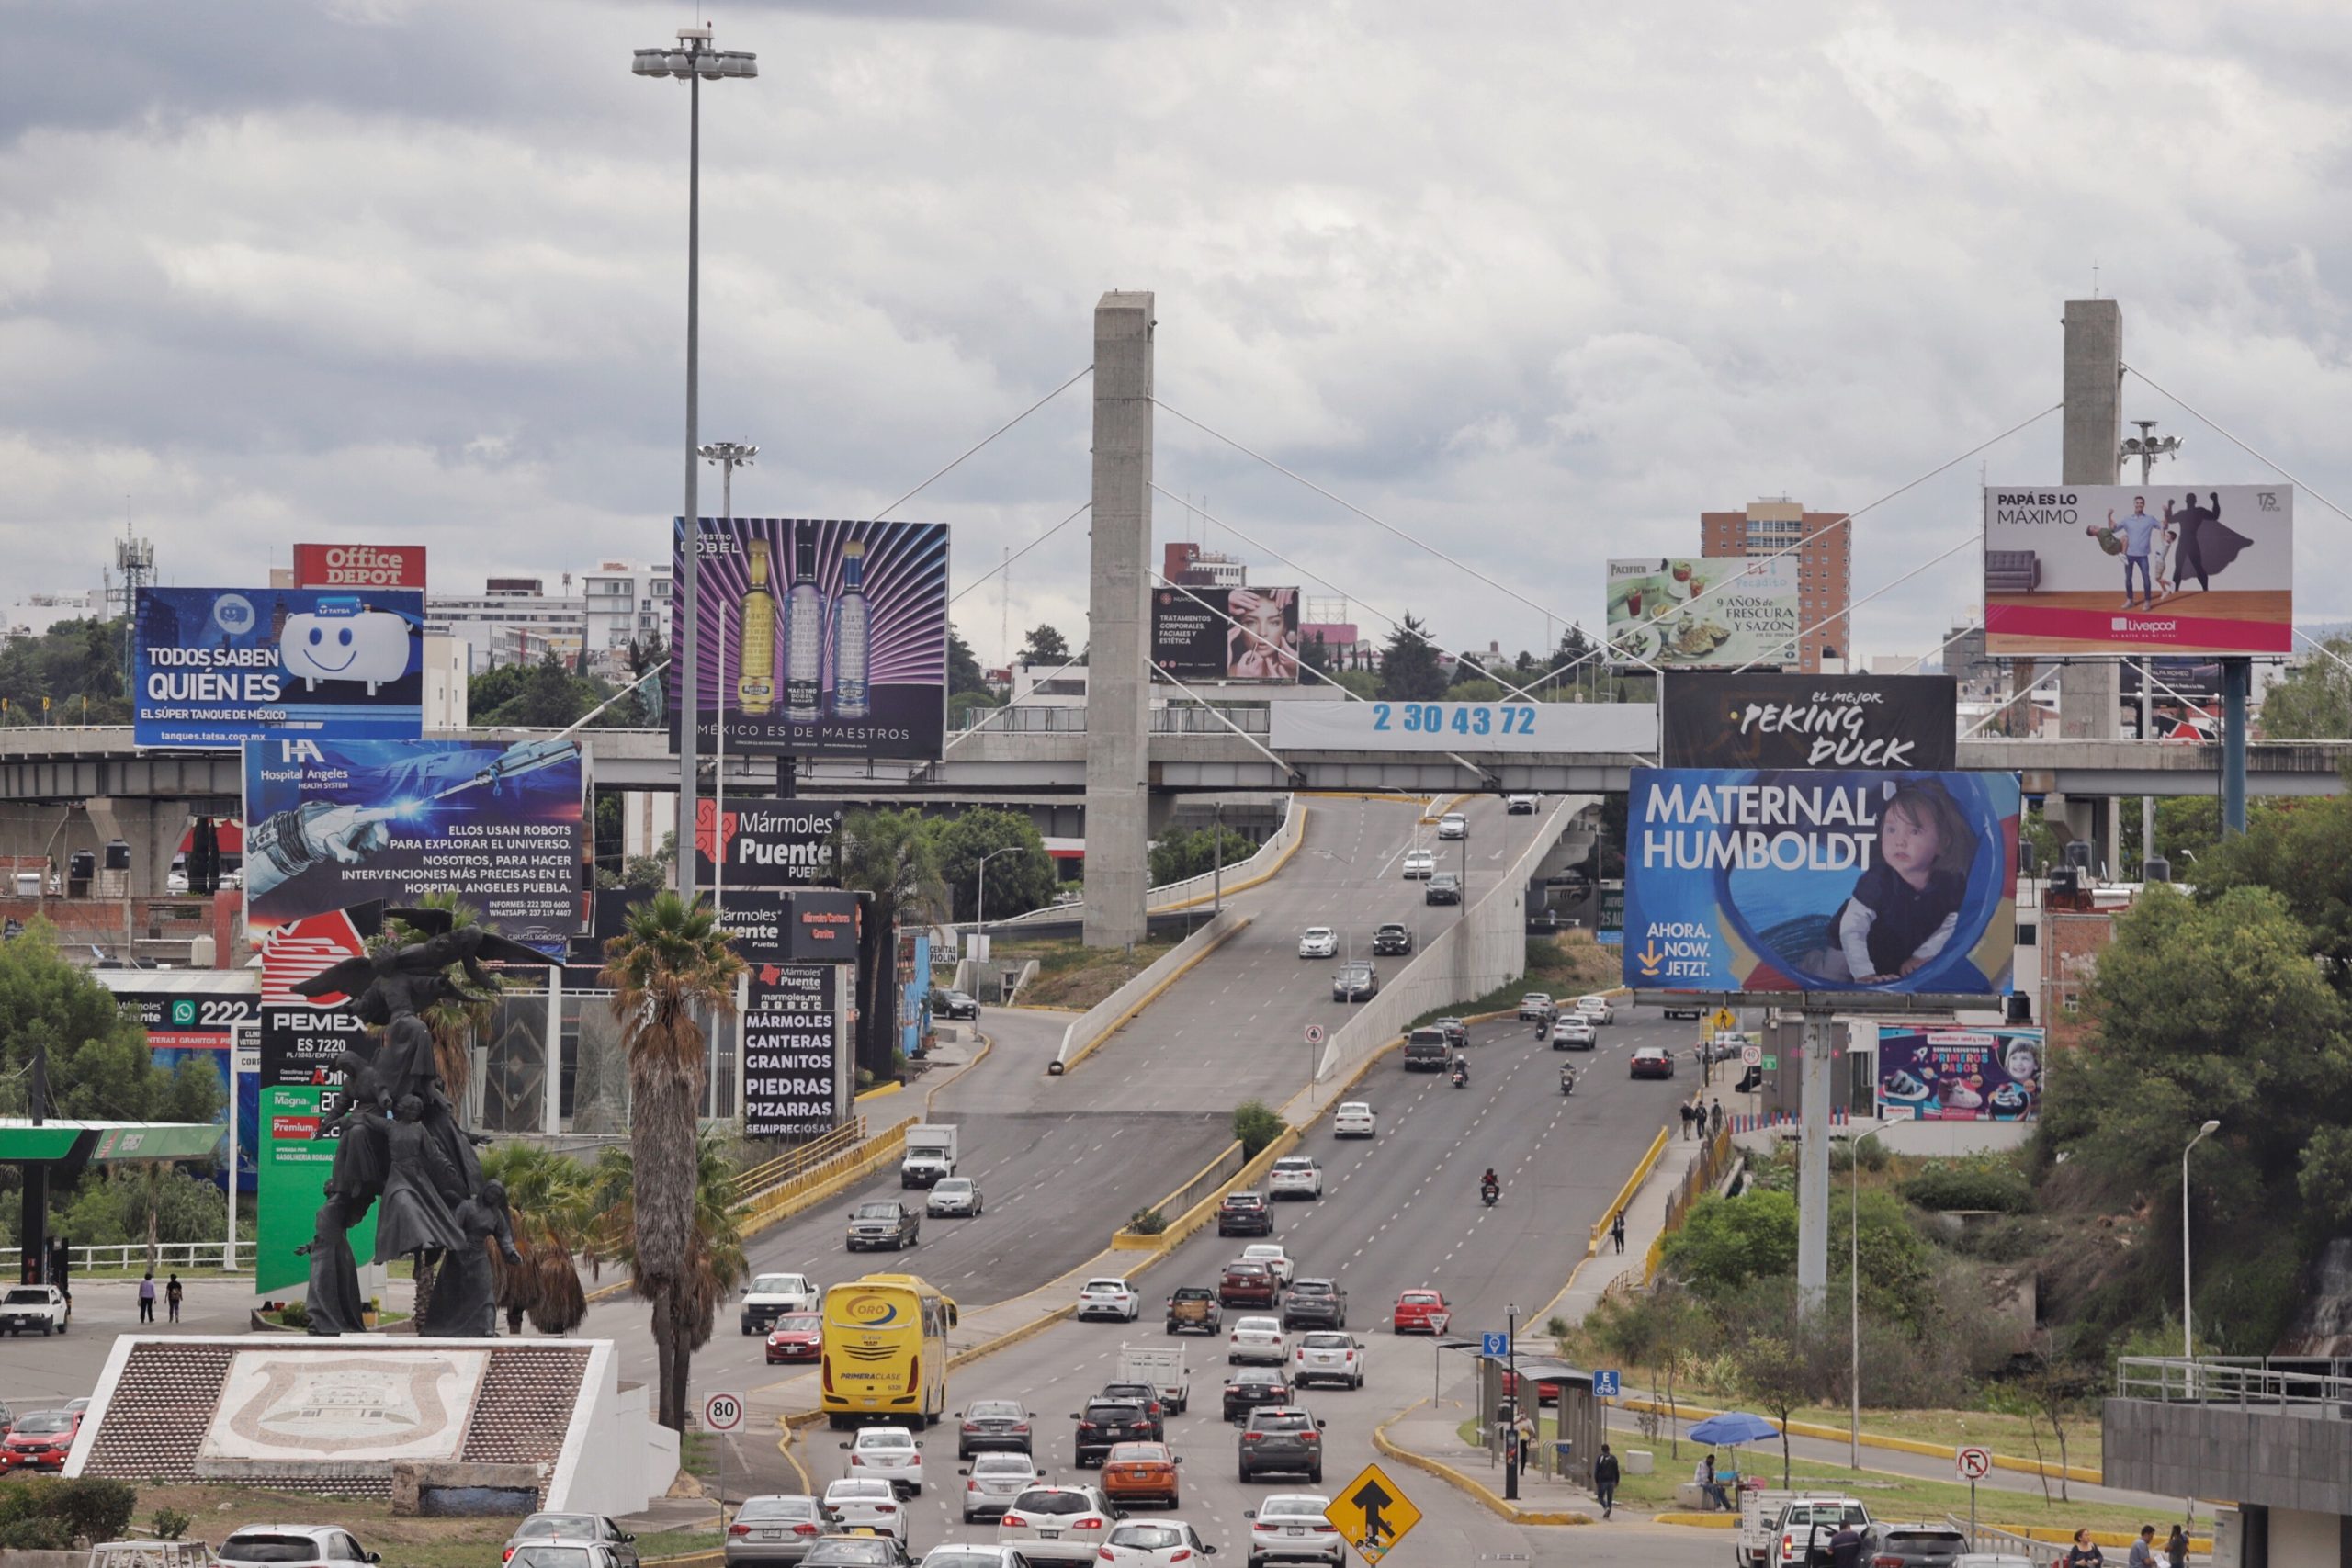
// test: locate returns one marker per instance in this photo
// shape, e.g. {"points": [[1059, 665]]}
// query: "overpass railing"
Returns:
{"points": [[2317, 1385], [1174, 718]]}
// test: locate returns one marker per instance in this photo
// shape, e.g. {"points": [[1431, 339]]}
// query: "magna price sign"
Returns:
{"points": [[1809, 721], [359, 566]]}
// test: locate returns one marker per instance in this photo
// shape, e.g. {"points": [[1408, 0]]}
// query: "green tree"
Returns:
{"points": [[709, 1242], [1409, 666], [1361, 683], [964, 705], [1728, 1243], [2313, 701], [1656, 1330], [78, 665], [1182, 853], [1020, 878], [553, 1200], [1481, 690], [1044, 646], [891, 857], [1898, 1265], [669, 965], [2299, 851], [1785, 1359], [98, 1065], [1255, 1125], [964, 673]]}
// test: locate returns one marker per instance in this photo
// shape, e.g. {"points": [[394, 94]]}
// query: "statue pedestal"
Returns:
{"points": [[344, 1413]]}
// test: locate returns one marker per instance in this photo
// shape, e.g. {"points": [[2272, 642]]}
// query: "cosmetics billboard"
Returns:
{"points": [[818, 638]]}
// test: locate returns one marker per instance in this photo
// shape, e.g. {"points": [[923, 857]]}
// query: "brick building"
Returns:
{"points": [[1825, 565]]}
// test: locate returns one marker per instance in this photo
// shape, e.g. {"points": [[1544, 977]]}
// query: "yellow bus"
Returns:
{"points": [[886, 1350]]}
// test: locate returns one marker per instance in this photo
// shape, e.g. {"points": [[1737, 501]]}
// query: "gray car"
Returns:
{"points": [[1281, 1437], [884, 1223], [954, 1195], [593, 1528], [777, 1528], [1912, 1546]]}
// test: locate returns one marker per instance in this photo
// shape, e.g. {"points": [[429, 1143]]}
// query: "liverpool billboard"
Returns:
{"points": [[211, 667], [1828, 880], [1226, 634], [2138, 569], [1809, 721], [1703, 612], [817, 638], [332, 824]]}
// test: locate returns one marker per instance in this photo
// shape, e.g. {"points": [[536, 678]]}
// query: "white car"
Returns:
{"points": [[1453, 825], [858, 1504], [1292, 1526], [1168, 1541], [1572, 1032], [1272, 1255], [889, 1452], [952, 1195], [1419, 864], [1325, 1357], [1354, 1119], [299, 1544], [771, 1296], [1294, 1176], [1519, 805], [1108, 1298], [1600, 1010], [1058, 1524], [1320, 941], [1258, 1339], [993, 1483]]}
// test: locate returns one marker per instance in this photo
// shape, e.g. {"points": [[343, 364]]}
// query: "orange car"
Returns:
{"points": [[1139, 1472]]}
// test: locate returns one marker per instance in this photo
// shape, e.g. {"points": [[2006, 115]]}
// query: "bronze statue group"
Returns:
{"points": [[399, 1146]]}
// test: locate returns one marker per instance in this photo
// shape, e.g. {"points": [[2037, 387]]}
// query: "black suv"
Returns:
{"points": [[1245, 1213], [1315, 1304], [1281, 1437], [1457, 1034], [886, 1221], [1106, 1422], [1445, 887], [1141, 1394], [1390, 940], [1252, 1386]]}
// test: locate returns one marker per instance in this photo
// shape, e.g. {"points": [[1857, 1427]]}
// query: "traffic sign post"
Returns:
{"points": [[1606, 1385], [1373, 1514], [1723, 1022], [1314, 1034], [1494, 1346], [1751, 1055], [1971, 1464], [721, 1413]]}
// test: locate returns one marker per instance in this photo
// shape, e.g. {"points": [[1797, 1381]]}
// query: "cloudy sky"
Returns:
{"points": [[1537, 283]]}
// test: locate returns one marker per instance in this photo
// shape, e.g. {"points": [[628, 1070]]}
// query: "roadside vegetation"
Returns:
{"points": [[1071, 975]]}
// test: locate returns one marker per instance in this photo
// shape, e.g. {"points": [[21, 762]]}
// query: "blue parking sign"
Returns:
{"points": [[1494, 1346], [1605, 1385]]}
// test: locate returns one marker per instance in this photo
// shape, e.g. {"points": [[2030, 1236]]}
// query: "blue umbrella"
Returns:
{"points": [[1733, 1429]]}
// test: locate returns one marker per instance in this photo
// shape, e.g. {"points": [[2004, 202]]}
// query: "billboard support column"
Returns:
{"points": [[2090, 695], [1812, 1159], [1118, 682], [2237, 682]]}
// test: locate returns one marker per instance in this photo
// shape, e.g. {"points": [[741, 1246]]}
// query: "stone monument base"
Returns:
{"points": [[461, 1420]]}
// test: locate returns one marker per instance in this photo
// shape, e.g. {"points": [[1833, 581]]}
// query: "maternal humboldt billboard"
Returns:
{"points": [[331, 824], [2130, 568], [1226, 634], [214, 666], [1740, 880], [817, 638], [1703, 612], [1940, 1073]]}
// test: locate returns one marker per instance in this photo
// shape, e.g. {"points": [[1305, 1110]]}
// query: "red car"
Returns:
{"points": [[797, 1337], [1245, 1283], [1421, 1312], [1546, 1391], [41, 1442]]}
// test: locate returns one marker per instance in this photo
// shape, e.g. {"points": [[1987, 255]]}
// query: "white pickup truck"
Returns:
{"points": [[930, 1154], [28, 1307], [1162, 1366], [1775, 1525]]}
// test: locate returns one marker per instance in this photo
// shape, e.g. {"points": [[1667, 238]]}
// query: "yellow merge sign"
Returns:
{"points": [[1372, 1513]]}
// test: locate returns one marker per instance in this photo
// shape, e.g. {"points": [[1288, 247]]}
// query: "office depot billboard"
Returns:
{"points": [[359, 566]]}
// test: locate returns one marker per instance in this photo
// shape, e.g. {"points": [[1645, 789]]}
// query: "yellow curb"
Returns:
{"points": [[1154, 994], [1698, 1521], [1266, 876], [893, 1087], [881, 1147], [1434, 811], [1897, 1445], [1477, 1490], [988, 1044], [1625, 1193], [784, 1446]]}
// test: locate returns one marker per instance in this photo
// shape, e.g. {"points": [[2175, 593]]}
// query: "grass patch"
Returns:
{"points": [[1569, 965], [1954, 1428], [697, 1454], [1071, 975]]}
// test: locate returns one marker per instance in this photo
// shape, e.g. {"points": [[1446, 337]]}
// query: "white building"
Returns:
{"points": [[36, 612], [513, 618], [624, 603]]}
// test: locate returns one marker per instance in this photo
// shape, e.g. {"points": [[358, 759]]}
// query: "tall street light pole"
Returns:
{"points": [[730, 455], [691, 62], [982, 914], [1512, 1456], [2187, 1330]]}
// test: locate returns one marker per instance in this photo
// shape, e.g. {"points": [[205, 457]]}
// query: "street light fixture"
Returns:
{"points": [[2188, 1332], [982, 914], [692, 61], [730, 455]]}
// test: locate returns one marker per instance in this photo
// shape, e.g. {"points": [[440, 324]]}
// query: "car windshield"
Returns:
{"points": [[778, 1285], [1281, 1421], [1106, 1284], [993, 1409], [270, 1548], [1002, 1464], [549, 1526], [877, 1210], [777, 1509], [850, 1549], [799, 1322], [859, 1491], [1243, 1201], [1312, 1288], [1318, 931], [1258, 1326], [1244, 1270], [1355, 1108], [963, 1557], [957, 1184], [1925, 1538], [1139, 1453], [1293, 1162], [1147, 1537], [1052, 1500], [1114, 1411], [536, 1555], [885, 1438], [1257, 1379], [1328, 1342], [48, 1421], [35, 1296], [1420, 1298], [1305, 1506]]}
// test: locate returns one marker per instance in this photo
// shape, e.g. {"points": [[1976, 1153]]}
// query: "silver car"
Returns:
{"points": [[577, 1528], [777, 1527], [954, 1195], [992, 1481]]}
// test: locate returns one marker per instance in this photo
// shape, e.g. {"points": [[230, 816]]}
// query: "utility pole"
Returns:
{"points": [[2089, 700], [2147, 446]]}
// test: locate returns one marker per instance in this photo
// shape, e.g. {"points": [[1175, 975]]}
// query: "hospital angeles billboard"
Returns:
{"points": [[211, 667], [1740, 880], [2130, 569]]}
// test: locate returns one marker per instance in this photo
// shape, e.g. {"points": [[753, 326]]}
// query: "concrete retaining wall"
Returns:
{"points": [[1102, 1020]]}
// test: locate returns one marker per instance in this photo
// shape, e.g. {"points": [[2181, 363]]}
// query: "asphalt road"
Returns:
{"points": [[1400, 1211]]}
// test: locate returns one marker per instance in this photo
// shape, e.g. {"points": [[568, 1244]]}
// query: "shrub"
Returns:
{"points": [[44, 1513], [1147, 1222], [170, 1524], [295, 1315], [1969, 1184], [1255, 1125]]}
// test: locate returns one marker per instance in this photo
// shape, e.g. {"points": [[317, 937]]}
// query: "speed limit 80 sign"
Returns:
{"points": [[723, 1412]]}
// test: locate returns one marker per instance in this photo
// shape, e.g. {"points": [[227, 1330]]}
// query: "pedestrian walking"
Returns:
{"points": [[147, 1298], [1716, 1118], [2176, 1548], [1617, 1232], [1604, 1480], [1686, 1120], [172, 1297], [2143, 1550]]}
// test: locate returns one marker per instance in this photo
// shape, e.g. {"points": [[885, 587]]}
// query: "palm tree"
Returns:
{"points": [[890, 856], [671, 961], [552, 1199], [714, 1262]]}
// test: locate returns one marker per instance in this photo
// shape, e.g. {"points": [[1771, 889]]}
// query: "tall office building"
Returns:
{"points": [[514, 620], [628, 603], [1824, 567]]}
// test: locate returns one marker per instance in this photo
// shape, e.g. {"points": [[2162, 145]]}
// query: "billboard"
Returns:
{"points": [[779, 926], [301, 1039], [188, 1020], [359, 566], [1942, 1073], [1809, 721], [1462, 727], [767, 844], [818, 638], [793, 1052], [2128, 569], [333, 823], [1703, 612], [215, 665], [1226, 634], [1832, 880]]}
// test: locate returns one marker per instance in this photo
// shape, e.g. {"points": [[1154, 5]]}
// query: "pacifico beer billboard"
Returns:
{"points": [[359, 566]]}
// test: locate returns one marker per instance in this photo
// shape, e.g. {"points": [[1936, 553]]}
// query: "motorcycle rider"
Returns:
{"points": [[1490, 1182], [1461, 1069]]}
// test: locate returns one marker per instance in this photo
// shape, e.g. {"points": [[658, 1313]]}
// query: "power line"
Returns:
{"points": [[991, 435]]}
